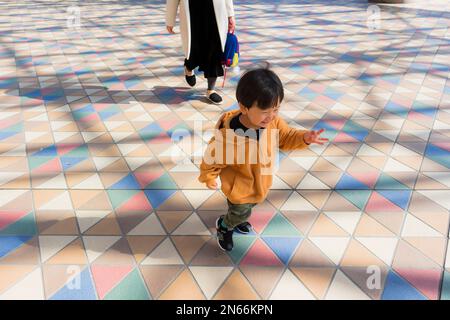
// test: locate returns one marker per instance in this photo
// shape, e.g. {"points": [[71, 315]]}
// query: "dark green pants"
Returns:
{"points": [[237, 214]]}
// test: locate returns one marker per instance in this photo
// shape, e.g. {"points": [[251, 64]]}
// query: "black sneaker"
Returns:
{"points": [[214, 97], [224, 236], [244, 228], [190, 79]]}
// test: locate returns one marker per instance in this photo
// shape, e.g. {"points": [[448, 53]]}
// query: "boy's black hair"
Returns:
{"points": [[262, 86]]}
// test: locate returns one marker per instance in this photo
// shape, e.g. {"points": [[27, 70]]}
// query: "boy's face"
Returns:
{"points": [[260, 117]]}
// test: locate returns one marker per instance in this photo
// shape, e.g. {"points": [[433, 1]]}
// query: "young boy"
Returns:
{"points": [[245, 173]]}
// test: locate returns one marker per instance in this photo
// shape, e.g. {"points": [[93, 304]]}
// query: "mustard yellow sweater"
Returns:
{"points": [[245, 166]]}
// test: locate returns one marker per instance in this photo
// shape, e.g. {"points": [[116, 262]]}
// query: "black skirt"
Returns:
{"points": [[206, 47]]}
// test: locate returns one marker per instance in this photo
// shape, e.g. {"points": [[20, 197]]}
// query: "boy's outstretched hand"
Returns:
{"points": [[212, 184], [314, 137]]}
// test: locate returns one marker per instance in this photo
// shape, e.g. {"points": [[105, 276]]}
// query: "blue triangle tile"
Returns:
{"points": [[433, 150], [10, 243], [80, 288], [127, 183], [5, 135], [158, 197], [347, 182], [398, 197], [396, 288], [46, 152], [283, 247]]}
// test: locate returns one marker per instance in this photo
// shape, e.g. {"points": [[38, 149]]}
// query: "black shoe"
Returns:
{"points": [[190, 79], [224, 236], [214, 97], [244, 228]]}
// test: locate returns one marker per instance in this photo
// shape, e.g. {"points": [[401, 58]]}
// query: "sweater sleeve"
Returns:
{"points": [[290, 138], [209, 169], [230, 8], [171, 12]]}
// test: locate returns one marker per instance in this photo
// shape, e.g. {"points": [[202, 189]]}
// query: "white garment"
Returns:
{"points": [[222, 8]]}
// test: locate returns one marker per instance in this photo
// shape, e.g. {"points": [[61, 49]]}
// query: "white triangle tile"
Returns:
{"points": [[6, 177], [41, 117], [210, 278], [50, 245], [144, 117], [304, 162], [197, 197], [297, 203], [111, 125], [160, 108], [60, 136], [196, 117], [56, 125], [441, 197], [368, 151], [93, 182], [136, 108], [164, 254], [414, 227], [7, 196], [192, 226], [439, 125], [136, 162], [290, 288], [188, 166], [29, 288], [383, 247], [340, 162], [91, 135], [399, 150], [95, 246], [87, 218], [103, 162], [4, 115], [395, 166], [126, 148], [333, 247], [389, 134], [342, 288], [119, 135], [422, 134], [148, 227], [346, 220], [31, 135], [58, 182], [64, 108], [61, 202], [441, 177], [18, 151], [72, 98], [96, 98], [309, 182], [396, 123], [174, 152], [317, 148], [279, 184]]}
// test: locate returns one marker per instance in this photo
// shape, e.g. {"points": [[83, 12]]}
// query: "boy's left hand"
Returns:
{"points": [[314, 137]]}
